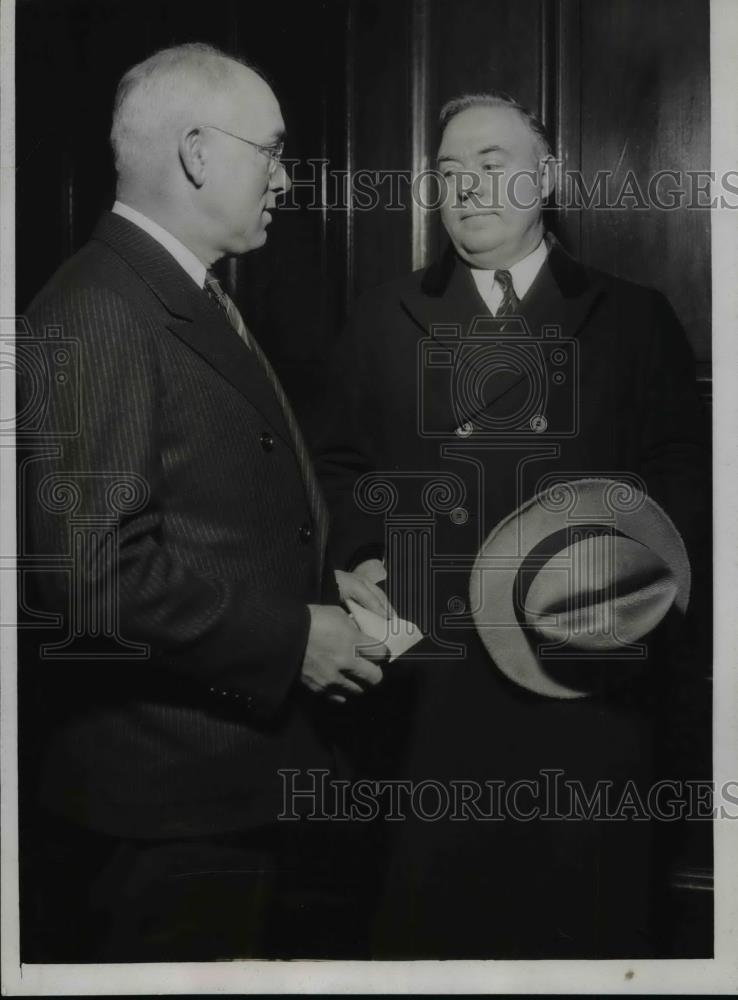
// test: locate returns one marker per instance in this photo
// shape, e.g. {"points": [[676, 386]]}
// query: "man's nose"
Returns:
{"points": [[468, 184], [280, 182]]}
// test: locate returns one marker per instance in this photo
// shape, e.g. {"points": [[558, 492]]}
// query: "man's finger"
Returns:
{"points": [[376, 651], [346, 686], [366, 672], [364, 593]]}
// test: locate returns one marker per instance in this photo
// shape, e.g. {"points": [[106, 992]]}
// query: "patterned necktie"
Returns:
{"points": [[318, 508], [510, 303]]}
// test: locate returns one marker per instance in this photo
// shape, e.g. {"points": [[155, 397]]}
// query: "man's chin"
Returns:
{"points": [[478, 252], [251, 241]]}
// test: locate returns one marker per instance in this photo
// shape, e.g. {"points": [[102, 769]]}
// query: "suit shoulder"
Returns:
{"points": [[392, 290], [95, 279], [625, 289], [93, 297], [383, 303], [94, 265], [653, 328]]}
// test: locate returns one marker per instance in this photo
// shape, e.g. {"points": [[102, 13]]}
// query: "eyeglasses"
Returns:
{"points": [[274, 152]]}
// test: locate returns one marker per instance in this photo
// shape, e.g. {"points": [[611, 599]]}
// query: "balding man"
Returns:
{"points": [[465, 418], [191, 533]]}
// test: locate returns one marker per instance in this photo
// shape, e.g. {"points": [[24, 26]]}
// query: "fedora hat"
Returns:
{"points": [[580, 573]]}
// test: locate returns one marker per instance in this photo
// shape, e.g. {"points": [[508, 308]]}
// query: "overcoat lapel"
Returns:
{"points": [[562, 295], [446, 298], [447, 306], [193, 318]]}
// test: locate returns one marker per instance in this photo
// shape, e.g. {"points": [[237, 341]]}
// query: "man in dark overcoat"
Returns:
{"points": [[468, 387]]}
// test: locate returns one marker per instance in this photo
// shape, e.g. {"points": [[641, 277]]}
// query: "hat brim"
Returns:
{"points": [[518, 642]]}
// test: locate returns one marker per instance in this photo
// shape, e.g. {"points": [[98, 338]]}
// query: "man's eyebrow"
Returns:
{"points": [[479, 152]]}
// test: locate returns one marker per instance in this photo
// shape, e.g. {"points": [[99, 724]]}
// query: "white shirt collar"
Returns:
{"points": [[184, 257], [523, 274]]}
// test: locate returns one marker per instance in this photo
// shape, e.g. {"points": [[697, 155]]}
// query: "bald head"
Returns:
{"points": [[171, 90]]}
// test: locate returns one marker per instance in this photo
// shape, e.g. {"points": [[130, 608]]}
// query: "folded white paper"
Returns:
{"points": [[397, 634]]}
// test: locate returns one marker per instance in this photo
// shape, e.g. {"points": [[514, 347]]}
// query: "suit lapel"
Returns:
{"points": [[448, 307], [210, 335], [193, 317]]}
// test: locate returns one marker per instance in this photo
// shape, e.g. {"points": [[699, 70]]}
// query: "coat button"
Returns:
{"points": [[306, 533], [266, 440], [464, 430], [459, 515]]}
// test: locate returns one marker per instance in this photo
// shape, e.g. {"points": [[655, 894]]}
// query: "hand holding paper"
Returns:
{"points": [[364, 593], [397, 634]]}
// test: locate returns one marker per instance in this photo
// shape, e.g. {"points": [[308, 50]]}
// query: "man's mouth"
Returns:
{"points": [[482, 213]]}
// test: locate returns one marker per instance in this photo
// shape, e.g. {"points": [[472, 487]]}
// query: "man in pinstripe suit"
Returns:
{"points": [[166, 728]]}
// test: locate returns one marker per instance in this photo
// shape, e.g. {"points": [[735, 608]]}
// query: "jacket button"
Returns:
{"points": [[266, 440], [306, 533], [465, 429]]}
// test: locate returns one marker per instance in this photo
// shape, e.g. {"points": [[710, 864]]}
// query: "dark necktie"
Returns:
{"points": [[318, 508], [510, 303]]}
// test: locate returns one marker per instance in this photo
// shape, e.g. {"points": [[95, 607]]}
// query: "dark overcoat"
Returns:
{"points": [[456, 422]]}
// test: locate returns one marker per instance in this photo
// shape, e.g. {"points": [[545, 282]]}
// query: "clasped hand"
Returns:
{"points": [[340, 660]]}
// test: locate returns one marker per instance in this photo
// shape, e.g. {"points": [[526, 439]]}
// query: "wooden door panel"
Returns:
{"points": [[645, 108]]}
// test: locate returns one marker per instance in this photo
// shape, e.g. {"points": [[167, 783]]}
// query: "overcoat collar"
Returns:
{"points": [[447, 293], [192, 317], [562, 296]]}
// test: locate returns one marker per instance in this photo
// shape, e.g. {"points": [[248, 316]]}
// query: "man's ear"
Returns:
{"points": [[547, 167], [193, 155]]}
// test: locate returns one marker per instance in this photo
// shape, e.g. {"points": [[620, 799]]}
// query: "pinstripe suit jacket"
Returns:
{"points": [[163, 481]]}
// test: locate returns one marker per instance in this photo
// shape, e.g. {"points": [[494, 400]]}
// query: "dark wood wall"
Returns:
{"points": [[622, 86], [645, 107]]}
